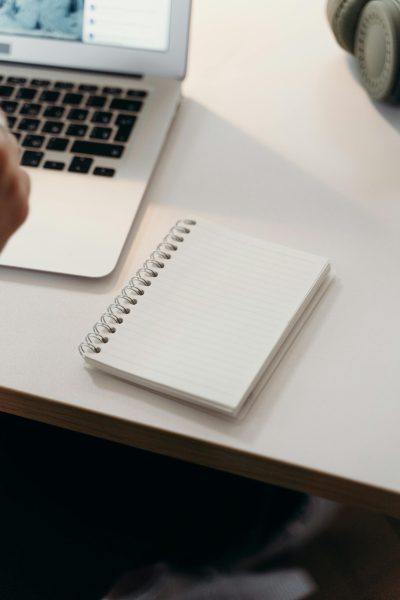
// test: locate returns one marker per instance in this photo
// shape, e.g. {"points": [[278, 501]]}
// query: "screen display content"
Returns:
{"points": [[135, 24]]}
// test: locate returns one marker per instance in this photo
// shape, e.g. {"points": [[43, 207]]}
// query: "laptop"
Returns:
{"points": [[90, 89]]}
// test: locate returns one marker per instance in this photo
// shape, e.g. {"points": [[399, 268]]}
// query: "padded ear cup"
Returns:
{"points": [[343, 17], [377, 49]]}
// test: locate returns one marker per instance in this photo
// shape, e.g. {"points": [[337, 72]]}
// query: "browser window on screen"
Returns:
{"points": [[140, 24]]}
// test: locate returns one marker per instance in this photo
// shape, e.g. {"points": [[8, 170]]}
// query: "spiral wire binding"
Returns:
{"points": [[131, 293]]}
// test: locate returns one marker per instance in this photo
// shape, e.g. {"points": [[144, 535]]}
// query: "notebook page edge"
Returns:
{"points": [[160, 389], [275, 358]]}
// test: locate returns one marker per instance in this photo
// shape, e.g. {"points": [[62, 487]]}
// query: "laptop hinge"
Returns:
{"points": [[73, 69]]}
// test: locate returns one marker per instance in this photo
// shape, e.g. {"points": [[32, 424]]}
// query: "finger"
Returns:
{"points": [[25, 183], [14, 146], [14, 182], [3, 121], [14, 194], [18, 184], [7, 137], [8, 147], [17, 195], [9, 167]]}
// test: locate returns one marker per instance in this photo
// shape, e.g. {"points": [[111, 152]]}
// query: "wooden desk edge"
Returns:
{"points": [[199, 452]]}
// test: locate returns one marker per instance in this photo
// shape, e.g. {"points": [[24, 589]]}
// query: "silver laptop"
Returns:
{"points": [[90, 88]]}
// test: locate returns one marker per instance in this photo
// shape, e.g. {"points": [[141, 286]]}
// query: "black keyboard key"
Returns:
{"points": [[77, 130], [72, 99], [54, 165], [11, 121], [31, 110], [136, 94], [28, 124], [64, 85], [97, 149], [40, 82], [123, 134], [54, 112], [102, 117], [77, 114], [80, 164], [17, 135], [112, 91], [16, 80], [49, 96], [57, 144], [104, 172], [54, 127], [6, 91], [86, 87], [26, 94], [96, 101], [33, 141], [8, 106], [123, 120], [31, 159], [101, 133], [126, 105]]}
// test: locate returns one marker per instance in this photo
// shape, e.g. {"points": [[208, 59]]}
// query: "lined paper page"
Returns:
{"points": [[207, 325]]}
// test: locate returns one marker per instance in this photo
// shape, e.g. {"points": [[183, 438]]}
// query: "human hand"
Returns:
{"points": [[14, 186]]}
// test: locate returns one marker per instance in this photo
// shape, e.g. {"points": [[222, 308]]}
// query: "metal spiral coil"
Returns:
{"points": [[131, 293]]}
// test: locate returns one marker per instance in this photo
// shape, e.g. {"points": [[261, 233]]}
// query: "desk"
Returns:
{"points": [[275, 138]]}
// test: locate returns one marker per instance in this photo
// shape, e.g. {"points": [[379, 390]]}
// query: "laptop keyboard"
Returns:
{"points": [[53, 120]]}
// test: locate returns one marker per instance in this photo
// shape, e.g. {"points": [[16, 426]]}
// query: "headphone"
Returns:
{"points": [[370, 29]]}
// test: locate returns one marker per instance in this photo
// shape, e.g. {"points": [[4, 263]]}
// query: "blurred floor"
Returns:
{"points": [[356, 558], [74, 515]]}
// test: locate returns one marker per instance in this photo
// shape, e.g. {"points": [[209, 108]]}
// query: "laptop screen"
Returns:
{"points": [[133, 24]]}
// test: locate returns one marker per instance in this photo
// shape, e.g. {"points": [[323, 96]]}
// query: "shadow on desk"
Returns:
{"points": [[210, 168], [391, 113]]}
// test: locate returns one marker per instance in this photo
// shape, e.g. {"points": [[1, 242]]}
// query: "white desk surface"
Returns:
{"points": [[275, 138]]}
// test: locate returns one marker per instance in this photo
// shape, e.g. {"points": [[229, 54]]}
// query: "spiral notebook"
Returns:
{"points": [[207, 316]]}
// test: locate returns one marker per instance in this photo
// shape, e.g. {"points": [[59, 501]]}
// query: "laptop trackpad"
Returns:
{"points": [[77, 224]]}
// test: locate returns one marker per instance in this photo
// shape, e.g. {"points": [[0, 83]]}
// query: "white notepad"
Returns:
{"points": [[209, 314]]}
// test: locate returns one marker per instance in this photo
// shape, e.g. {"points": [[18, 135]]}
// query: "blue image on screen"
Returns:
{"points": [[42, 18]]}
